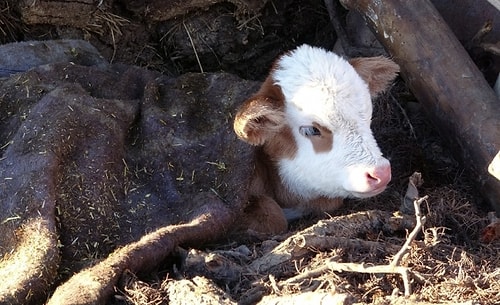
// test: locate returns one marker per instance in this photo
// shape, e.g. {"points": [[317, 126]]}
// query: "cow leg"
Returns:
{"points": [[264, 215]]}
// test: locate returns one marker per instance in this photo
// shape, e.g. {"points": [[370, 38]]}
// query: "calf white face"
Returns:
{"points": [[312, 116]]}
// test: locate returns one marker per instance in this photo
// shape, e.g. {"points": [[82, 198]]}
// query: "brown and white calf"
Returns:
{"points": [[310, 121]]}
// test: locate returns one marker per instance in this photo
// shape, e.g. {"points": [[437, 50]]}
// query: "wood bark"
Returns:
{"points": [[448, 84], [340, 231]]}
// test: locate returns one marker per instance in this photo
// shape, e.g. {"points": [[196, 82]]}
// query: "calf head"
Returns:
{"points": [[312, 118]]}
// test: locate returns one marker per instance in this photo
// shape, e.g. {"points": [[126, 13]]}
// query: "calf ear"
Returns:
{"points": [[258, 119], [377, 72]]}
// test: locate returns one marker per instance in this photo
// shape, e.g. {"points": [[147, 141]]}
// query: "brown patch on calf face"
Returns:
{"points": [[261, 121], [324, 142], [282, 145]]}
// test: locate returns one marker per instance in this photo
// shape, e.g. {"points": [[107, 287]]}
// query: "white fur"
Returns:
{"points": [[321, 87]]}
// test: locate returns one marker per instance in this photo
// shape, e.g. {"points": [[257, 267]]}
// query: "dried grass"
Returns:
{"points": [[105, 22], [10, 23]]}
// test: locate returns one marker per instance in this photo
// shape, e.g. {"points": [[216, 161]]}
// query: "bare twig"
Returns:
{"points": [[340, 231], [418, 227], [393, 267], [333, 263], [309, 274], [343, 243]]}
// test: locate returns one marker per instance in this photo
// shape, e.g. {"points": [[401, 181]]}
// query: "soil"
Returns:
{"points": [[448, 262]]}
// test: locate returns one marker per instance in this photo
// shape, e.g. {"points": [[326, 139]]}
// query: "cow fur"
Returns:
{"points": [[310, 123]]}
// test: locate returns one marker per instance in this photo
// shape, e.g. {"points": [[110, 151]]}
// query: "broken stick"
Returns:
{"points": [[340, 231], [392, 268]]}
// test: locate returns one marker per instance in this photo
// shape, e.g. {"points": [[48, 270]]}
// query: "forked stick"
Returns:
{"points": [[332, 264], [393, 267]]}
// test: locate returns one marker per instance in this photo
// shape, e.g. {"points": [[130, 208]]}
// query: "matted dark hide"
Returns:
{"points": [[111, 167]]}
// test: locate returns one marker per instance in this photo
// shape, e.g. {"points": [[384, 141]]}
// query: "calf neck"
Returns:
{"points": [[310, 123]]}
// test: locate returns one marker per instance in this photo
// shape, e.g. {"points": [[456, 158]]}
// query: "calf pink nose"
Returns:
{"points": [[379, 176]]}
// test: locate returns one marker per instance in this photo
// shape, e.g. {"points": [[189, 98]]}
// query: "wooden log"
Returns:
{"points": [[444, 79]]}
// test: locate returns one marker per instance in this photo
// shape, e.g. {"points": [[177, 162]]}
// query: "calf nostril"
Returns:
{"points": [[379, 175], [372, 178]]}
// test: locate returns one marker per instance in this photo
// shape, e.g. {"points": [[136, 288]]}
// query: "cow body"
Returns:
{"points": [[310, 121]]}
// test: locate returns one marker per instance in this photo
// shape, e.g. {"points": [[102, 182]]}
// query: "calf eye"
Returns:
{"points": [[309, 131]]}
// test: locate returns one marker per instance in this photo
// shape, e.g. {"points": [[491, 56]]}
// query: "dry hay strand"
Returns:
{"points": [[105, 22], [139, 292], [195, 29], [193, 46], [251, 22], [448, 273], [169, 46], [201, 40], [454, 209], [10, 23]]}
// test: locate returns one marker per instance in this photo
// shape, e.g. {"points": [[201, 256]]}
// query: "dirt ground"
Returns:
{"points": [[446, 262]]}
